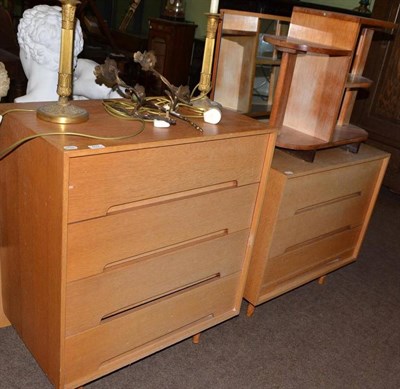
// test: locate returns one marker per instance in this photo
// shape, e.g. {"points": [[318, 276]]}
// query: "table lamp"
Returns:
{"points": [[63, 111]]}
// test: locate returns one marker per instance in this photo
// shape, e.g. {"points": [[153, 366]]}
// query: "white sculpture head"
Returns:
{"points": [[39, 37]]}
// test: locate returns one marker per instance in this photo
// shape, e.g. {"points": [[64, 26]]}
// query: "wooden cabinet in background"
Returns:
{"points": [[9, 56], [172, 43], [313, 219], [113, 253], [246, 67], [379, 111], [322, 69]]}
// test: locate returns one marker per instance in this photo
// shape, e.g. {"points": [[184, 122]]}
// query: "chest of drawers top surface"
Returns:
{"points": [[103, 125], [329, 159]]}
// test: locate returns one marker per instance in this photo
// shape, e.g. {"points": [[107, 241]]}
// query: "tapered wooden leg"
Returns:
{"points": [[322, 280], [250, 310], [196, 338]]}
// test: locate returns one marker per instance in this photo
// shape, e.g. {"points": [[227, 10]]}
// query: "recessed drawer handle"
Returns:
{"points": [[317, 239], [172, 197], [329, 202], [334, 260], [197, 322], [166, 250], [156, 299]]}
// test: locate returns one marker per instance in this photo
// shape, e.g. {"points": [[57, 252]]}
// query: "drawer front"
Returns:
{"points": [[95, 244], [118, 341], [322, 204], [335, 247], [315, 224], [100, 182], [323, 188], [161, 28], [130, 285]]}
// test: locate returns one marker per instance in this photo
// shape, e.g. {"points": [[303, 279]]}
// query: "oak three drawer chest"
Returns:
{"points": [[112, 252]]}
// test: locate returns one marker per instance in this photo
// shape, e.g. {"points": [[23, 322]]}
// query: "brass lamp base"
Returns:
{"points": [[62, 113]]}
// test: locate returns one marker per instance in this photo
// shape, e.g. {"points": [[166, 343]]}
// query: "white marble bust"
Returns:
{"points": [[39, 38]]}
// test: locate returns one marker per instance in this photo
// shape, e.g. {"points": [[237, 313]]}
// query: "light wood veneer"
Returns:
{"points": [[3, 319], [313, 219], [111, 254], [323, 59], [236, 59]]}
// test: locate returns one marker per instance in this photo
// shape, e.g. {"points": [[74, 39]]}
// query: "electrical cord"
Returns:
{"points": [[14, 110], [14, 146], [153, 108], [126, 109]]}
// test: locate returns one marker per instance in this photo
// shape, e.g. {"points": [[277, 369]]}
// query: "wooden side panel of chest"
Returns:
{"points": [[32, 239], [4, 322]]}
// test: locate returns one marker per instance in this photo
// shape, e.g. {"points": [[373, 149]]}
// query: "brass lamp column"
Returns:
{"points": [[206, 69], [211, 109], [63, 111]]}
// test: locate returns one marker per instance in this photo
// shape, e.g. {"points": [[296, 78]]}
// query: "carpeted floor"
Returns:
{"points": [[342, 335]]}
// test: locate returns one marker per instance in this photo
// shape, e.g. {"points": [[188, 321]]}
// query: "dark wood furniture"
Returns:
{"points": [[280, 7], [9, 55], [379, 110], [172, 43]]}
